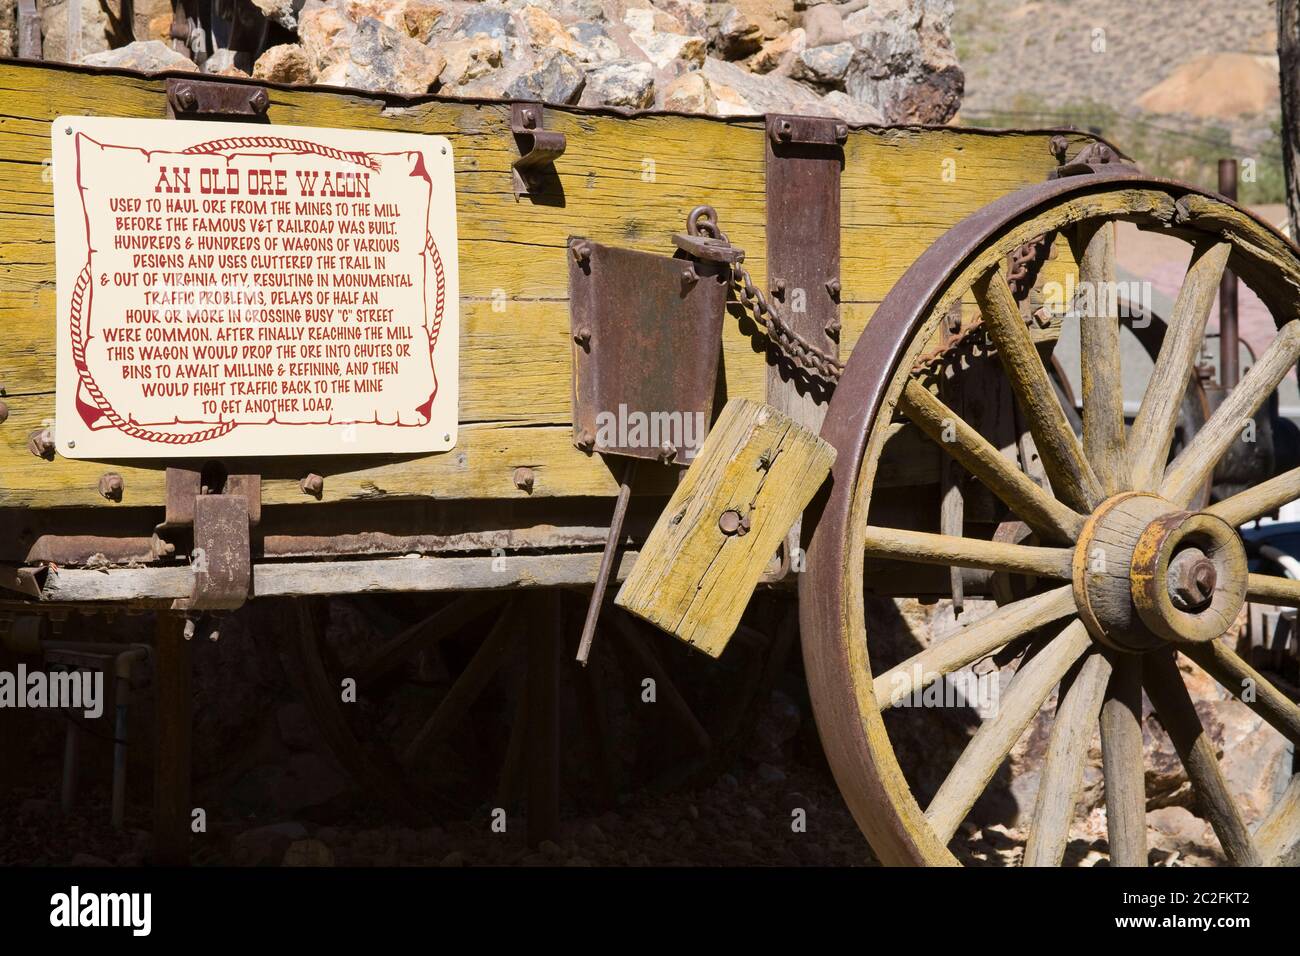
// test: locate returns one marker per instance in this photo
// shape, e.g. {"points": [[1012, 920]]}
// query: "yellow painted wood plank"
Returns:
{"points": [[695, 575]]}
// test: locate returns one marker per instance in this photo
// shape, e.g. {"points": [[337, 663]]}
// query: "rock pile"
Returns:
{"points": [[865, 61]]}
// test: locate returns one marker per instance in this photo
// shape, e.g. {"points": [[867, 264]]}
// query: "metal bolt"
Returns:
{"points": [[667, 452], [1058, 145], [778, 287], [41, 443], [833, 328], [530, 119], [189, 629], [111, 486], [583, 335], [841, 132], [784, 130], [4, 413], [729, 522], [312, 484], [689, 277], [259, 101], [833, 287], [1192, 578], [585, 440], [523, 479], [186, 98], [581, 250]]}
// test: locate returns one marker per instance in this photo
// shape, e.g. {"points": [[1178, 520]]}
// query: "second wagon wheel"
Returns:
{"points": [[1124, 583]]}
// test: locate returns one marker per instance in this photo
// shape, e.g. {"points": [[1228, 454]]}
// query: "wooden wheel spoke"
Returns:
{"points": [[1103, 386], [1122, 763], [465, 690], [1278, 836], [997, 735], [1189, 471], [1248, 685], [971, 643], [1153, 429], [1165, 687], [1049, 517], [1273, 589], [1262, 499], [443, 622], [926, 548], [1071, 476], [1067, 751]]}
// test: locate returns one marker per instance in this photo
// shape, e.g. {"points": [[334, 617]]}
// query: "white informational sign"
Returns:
{"points": [[232, 289]]}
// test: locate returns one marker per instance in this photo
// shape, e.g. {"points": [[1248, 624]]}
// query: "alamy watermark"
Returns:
{"points": [[963, 689], [1127, 300], [676, 435], [57, 690]]}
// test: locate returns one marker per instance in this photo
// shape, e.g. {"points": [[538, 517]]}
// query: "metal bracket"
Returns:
{"points": [[210, 99], [647, 335], [221, 509], [538, 147], [804, 161]]}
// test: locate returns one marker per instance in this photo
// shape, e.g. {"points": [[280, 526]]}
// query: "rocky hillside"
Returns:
{"points": [[866, 61]]}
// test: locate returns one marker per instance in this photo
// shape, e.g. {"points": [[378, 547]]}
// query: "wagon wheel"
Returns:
{"points": [[1125, 580]]}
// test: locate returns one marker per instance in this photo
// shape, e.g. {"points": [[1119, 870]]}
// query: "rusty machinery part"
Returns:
{"points": [[703, 223], [1174, 577]]}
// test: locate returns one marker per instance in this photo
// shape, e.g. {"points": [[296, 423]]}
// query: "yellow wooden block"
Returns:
{"points": [[699, 566]]}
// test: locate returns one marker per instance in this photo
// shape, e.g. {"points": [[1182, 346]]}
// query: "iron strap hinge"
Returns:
{"points": [[221, 510], [538, 148], [217, 100]]}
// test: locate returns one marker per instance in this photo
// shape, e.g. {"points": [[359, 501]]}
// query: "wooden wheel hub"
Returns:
{"points": [[1147, 574]]}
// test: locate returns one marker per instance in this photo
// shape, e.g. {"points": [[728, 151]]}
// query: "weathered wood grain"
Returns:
{"points": [[627, 182], [1123, 763], [693, 578]]}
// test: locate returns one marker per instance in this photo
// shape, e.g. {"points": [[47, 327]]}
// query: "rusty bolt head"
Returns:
{"points": [[833, 287], [689, 276], [729, 522], [529, 118], [4, 413], [1058, 145], [841, 132], [778, 287], [111, 486], [186, 98], [581, 250], [585, 440], [667, 452], [784, 130], [833, 328], [189, 629], [41, 443], [523, 479], [1192, 579], [583, 336], [312, 484], [259, 101]]}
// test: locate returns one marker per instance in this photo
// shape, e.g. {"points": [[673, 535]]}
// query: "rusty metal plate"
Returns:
{"points": [[222, 558], [804, 161], [214, 99], [647, 335]]}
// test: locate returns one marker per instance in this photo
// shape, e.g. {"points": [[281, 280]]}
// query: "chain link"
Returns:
{"points": [[798, 350]]}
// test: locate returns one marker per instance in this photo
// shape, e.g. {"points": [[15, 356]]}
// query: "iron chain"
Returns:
{"points": [[801, 353]]}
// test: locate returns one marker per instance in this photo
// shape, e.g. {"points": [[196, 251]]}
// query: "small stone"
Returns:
{"points": [[690, 93], [737, 35], [557, 79], [147, 56], [324, 34], [591, 833], [777, 54], [381, 59], [469, 59], [593, 44], [770, 774], [823, 65], [280, 12], [546, 32], [550, 849], [621, 83], [663, 49], [285, 63], [454, 858], [308, 853], [488, 18], [824, 25]]}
